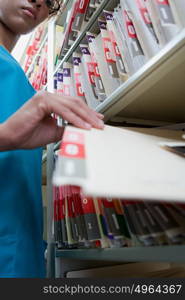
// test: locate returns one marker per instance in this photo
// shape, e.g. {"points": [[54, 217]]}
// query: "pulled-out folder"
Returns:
{"points": [[128, 163]]}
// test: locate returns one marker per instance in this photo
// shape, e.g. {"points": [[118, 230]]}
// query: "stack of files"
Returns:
{"points": [[163, 20], [65, 85], [75, 220], [79, 91], [136, 185], [96, 72], [78, 78], [131, 178], [34, 45], [87, 222], [138, 14], [68, 82], [78, 16], [178, 9], [141, 27], [116, 51], [128, 37], [68, 79], [80, 12], [87, 71], [68, 35], [130, 270]]}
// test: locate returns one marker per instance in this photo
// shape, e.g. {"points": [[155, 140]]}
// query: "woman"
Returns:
{"points": [[25, 125]]}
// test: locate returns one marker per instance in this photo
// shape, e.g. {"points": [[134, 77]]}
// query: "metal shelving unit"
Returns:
{"points": [[135, 101], [50, 161], [139, 98]]}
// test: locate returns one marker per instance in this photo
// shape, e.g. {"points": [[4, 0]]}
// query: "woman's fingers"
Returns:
{"points": [[80, 112], [74, 110], [76, 120], [99, 115], [90, 116]]}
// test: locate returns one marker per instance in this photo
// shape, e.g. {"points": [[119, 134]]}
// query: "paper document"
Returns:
{"points": [[128, 163]]}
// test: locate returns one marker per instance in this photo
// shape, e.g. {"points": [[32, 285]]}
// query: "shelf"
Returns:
{"points": [[158, 253], [159, 83]]}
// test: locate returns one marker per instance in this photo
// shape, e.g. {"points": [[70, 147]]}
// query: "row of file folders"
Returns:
{"points": [[129, 36], [157, 20], [85, 222]]}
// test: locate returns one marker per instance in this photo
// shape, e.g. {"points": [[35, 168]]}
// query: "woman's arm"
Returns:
{"points": [[5, 139], [32, 125]]}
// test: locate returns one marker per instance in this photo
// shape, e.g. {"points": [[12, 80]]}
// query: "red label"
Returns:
{"points": [[114, 44], [70, 207], [164, 2], [181, 205], [107, 203], [78, 84], [90, 68], [116, 49], [60, 91], [130, 27], [66, 90], [88, 205], [72, 150], [144, 12], [82, 6], [60, 192], [55, 210], [108, 50], [61, 211], [73, 137], [79, 90], [128, 202], [96, 70], [76, 203], [29, 50]]}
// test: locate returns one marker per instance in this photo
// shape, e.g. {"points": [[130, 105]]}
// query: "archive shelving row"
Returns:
{"points": [[138, 99], [159, 83], [153, 96], [37, 54]]}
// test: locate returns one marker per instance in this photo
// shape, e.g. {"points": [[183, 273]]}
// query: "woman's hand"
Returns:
{"points": [[32, 125]]}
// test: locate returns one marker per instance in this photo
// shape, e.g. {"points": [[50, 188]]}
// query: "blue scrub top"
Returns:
{"points": [[21, 223]]}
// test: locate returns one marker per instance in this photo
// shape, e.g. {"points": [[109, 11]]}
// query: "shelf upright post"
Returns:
{"points": [[50, 158]]}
